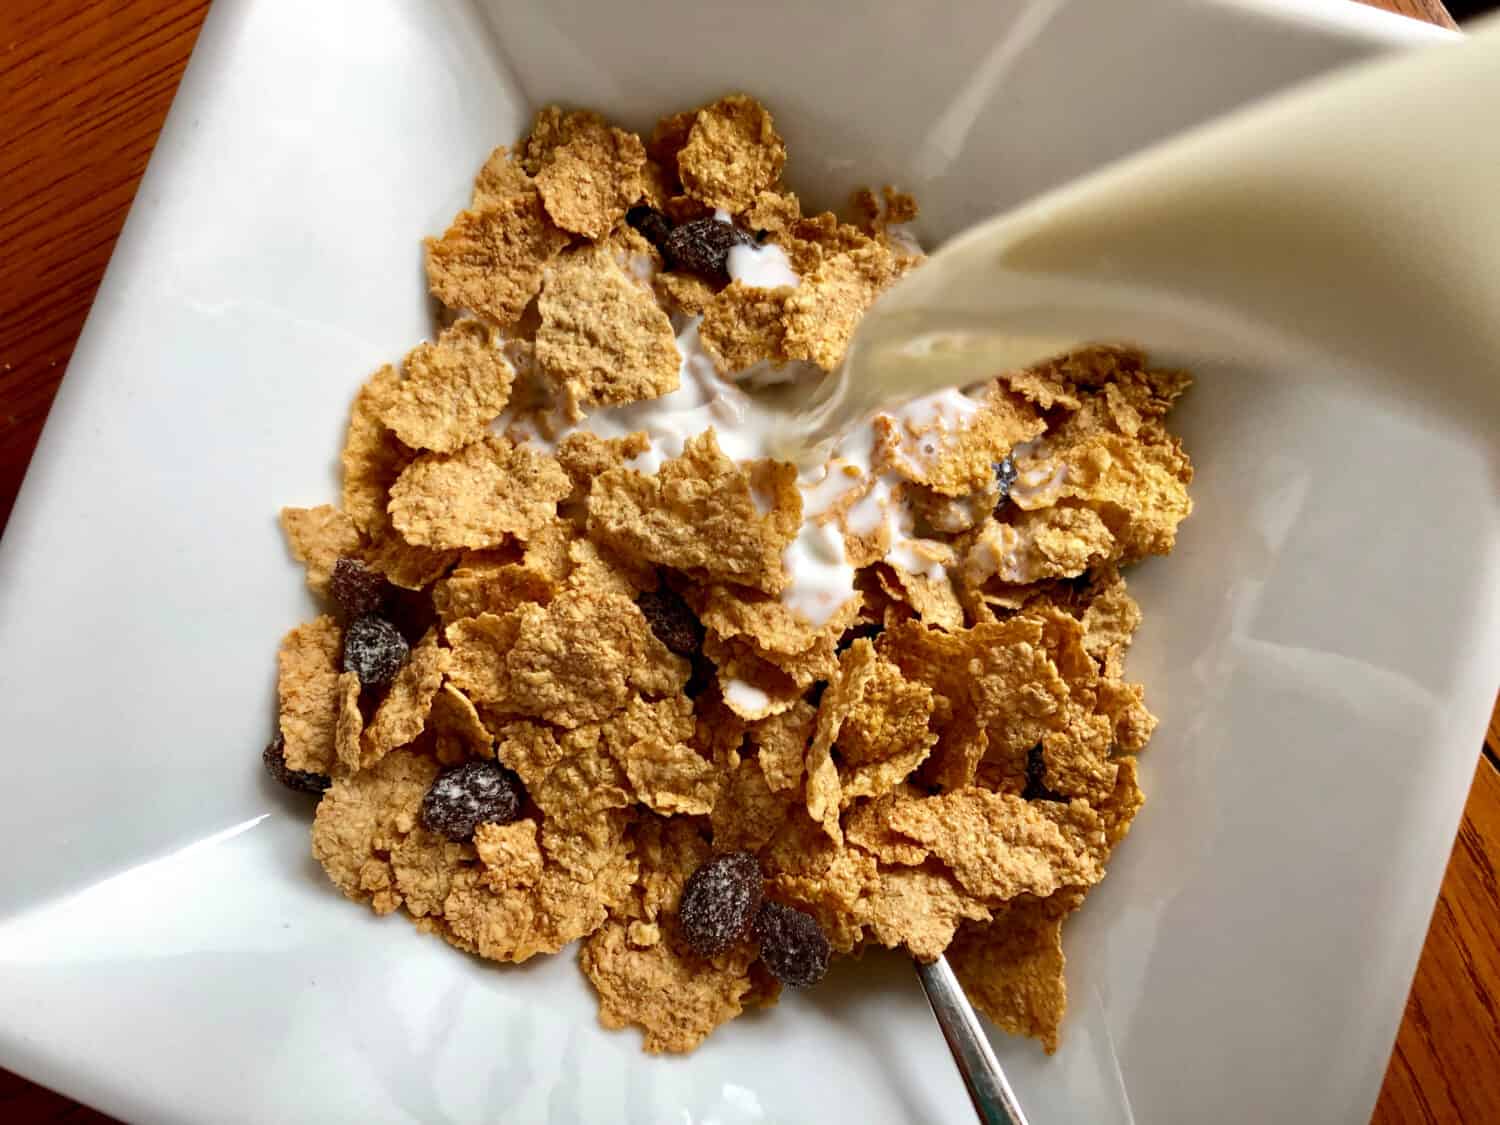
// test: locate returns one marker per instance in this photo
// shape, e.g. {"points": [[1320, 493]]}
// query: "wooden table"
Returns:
{"points": [[84, 86]]}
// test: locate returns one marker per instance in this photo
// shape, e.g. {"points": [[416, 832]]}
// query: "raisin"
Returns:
{"points": [[671, 620], [1036, 778], [357, 588], [703, 246], [467, 795], [719, 902], [792, 945], [653, 225], [304, 781], [1005, 476], [374, 650]]}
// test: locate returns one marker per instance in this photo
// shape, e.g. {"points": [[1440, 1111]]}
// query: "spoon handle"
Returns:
{"points": [[994, 1101]]}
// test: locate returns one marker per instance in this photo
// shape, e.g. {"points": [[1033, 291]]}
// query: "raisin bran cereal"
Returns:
{"points": [[595, 668]]}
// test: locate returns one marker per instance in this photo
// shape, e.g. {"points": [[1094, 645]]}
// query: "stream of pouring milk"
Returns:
{"points": [[1330, 216], [1295, 218]]}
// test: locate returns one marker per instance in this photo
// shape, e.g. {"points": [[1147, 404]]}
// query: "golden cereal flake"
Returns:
{"points": [[1110, 621], [774, 627], [918, 908], [774, 211], [604, 571], [675, 997], [402, 714], [587, 183], [318, 537], [685, 292], [1118, 810], [671, 777], [546, 548], [1137, 483], [307, 685], [603, 339], [1076, 754], [578, 659], [405, 565], [553, 127], [886, 734], [453, 389], [748, 814], [757, 683], [476, 588], [732, 154], [476, 657], [1046, 385], [373, 457], [363, 818], [517, 923], [510, 853], [491, 261], [422, 867], [350, 723], [1027, 547], [1124, 705], [500, 178], [752, 688], [585, 456], [867, 826], [822, 311], [698, 514], [669, 719], [996, 844], [460, 731], [808, 870], [477, 496], [744, 325], [994, 688], [1012, 968], [781, 743], [957, 459], [931, 596]]}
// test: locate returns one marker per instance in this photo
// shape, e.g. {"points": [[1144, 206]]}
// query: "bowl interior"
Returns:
{"points": [[1316, 646]]}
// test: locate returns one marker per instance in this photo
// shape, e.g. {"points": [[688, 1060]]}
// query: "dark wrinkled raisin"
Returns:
{"points": [[304, 781], [671, 620], [703, 246], [357, 588], [374, 650], [1005, 476], [1036, 778], [719, 902], [465, 796], [792, 945], [653, 225]]}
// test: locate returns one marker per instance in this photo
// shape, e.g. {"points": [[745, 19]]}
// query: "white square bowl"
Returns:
{"points": [[1322, 647]]}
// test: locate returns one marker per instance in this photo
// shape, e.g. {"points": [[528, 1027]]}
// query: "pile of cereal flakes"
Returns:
{"points": [[562, 691]]}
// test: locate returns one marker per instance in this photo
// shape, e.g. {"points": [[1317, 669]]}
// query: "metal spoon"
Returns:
{"points": [[994, 1101]]}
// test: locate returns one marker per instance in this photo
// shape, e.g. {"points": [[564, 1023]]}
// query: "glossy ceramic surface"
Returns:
{"points": [[1322, 648]]}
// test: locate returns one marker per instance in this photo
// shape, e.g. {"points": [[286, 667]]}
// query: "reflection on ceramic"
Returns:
{"points": [[1322, 647]]}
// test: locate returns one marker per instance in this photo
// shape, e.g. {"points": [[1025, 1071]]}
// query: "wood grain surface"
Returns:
{"points": [[84, 87]]}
